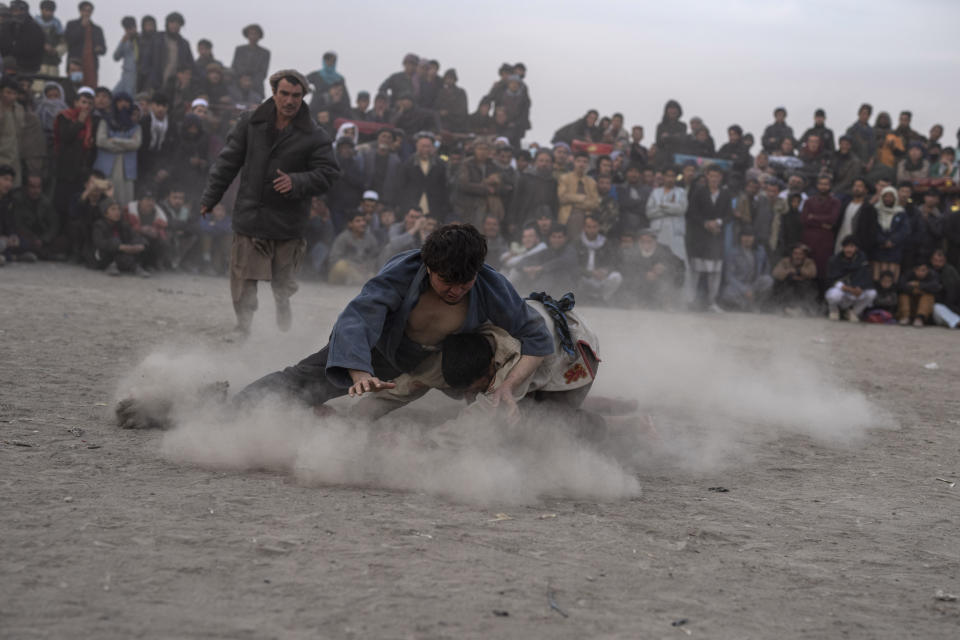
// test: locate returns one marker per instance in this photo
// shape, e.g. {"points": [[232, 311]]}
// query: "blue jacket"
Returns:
{"points": [[376, 318]]}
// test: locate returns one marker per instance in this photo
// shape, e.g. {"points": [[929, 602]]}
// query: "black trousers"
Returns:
{"points": [[307, 381]]}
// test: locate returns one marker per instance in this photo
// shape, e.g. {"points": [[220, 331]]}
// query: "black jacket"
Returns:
{"points": [[533, 192], [24, 41], [301, 150], [73, 34], [700, 242], [413, 184], [855, 272]]}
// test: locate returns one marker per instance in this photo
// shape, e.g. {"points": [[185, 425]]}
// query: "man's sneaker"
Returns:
{"points": [[918, 322], [715, 308], [140, 271], [112, 269], [904, 322], [834, 314], [852, 316]]}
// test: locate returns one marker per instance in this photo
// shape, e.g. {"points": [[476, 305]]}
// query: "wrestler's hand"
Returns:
{"points": [[363, 382], [504, 394], [282, 183]]}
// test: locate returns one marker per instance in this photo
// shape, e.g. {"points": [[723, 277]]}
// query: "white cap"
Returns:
{"points": [[199, 102], [370, 194], [85, 91]]}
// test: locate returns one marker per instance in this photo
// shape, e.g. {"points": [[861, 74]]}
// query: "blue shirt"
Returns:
{"points": [[377, 317]]}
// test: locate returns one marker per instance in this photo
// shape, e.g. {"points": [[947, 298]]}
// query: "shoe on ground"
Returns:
{"points": [[715, 308], [834, 315], [140, 271], [918, 322], [852, 317], [904, 322], [27, 256], [112, 269]]}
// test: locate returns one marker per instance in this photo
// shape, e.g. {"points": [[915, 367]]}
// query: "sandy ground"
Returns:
{"points": [[819, 534]]}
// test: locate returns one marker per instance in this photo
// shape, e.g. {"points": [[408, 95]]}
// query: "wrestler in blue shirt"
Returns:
{"points": [[403, 313]]}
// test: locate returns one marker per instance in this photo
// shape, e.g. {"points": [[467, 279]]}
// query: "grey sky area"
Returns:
{"points": [[728, 62]]}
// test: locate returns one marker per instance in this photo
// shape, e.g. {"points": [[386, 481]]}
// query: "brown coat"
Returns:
{"points": [[807, 271], [568, 196]]}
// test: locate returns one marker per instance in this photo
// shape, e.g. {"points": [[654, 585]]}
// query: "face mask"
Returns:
{"points": [[76, 76]]}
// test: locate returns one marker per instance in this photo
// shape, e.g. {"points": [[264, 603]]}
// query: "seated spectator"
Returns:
{"points": [[536, 187], [918, 289], [181, 229], [10, 245], [320, 235], [946, 166], [521, 254], [946, 306], [353, 256], [496, 245], [851, 289], [926, 230], [599, 280], [577, 194], [795, 283], [555, 269], [408, 241], [216, 237], [83, 212], [885, 305], [150, 225], [116, 249], [747, 282], [653, 274], [36, 222], [893, 229]]}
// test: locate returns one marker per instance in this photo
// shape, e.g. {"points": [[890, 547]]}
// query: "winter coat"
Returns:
{"points": [[807, 271], [845, 169], [253, 60], [826, 137], [23, 40], [301, 150], [74, 37], [533, 191], [452, 100], [774, 135], [853, 272], [109, 235], [930, 284], [471, 196], [387, 185], [897, 234], [414, 183], [111, 143], [818, 212], [700, 242], [568, 196]]}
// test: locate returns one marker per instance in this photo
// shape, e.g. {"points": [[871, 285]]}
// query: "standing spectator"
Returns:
{"points": [[584, 129], [577, 194], [820, 130], [671, 133], [193, 157], [175, 55], [451, 103], [607, 214], [820, 215], [777, 131], [253, 60], [381, 167], [128, 51], [915, 166], [710, 207], [639, 154], [893, 229], [768, 209], [285, 160], [158, 141], [926, 230], [204, 58], [747, 282], [907, 134], [118, 140], [476, 185], [74, 143], [401, 82], [496, 244], [632, 197], [54, 45], [918, 289], [851, 289], [536, 188], [599, 280], [862, 136], [85, 43], [12, 122], [845, 166], [667, 210], [346, 193], [736, 152], [22, 38], [152, 46], [423, 180], [795, 287], [859, 218]]}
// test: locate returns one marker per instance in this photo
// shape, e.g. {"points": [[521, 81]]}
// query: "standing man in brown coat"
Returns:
{"points": [[285, 160]]}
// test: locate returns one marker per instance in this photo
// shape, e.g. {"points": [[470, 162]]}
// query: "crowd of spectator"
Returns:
{"points": [[864, 225]]}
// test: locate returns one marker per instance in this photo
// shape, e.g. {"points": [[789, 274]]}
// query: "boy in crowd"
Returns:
{"points": [[918, 288], [851, 285], [116, 248]]}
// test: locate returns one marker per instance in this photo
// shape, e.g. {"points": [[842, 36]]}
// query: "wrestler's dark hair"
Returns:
{"points": [[464, 359], [455, 252]]}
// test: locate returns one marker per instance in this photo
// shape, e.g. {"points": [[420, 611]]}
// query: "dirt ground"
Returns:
{"points": [[103, 537]]}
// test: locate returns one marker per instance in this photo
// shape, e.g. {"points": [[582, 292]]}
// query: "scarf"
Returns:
{"points": [[47, 109], [86, 134], [592, 247], [121, 119], [329, 73], [158, 131], [885, 214]]}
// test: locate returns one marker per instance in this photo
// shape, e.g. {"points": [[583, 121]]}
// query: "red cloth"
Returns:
{"points": [[593, 148], [363, 127], [86, 134]]}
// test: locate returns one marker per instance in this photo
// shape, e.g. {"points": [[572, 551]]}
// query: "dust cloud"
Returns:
{"points": [[712, 406]]}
